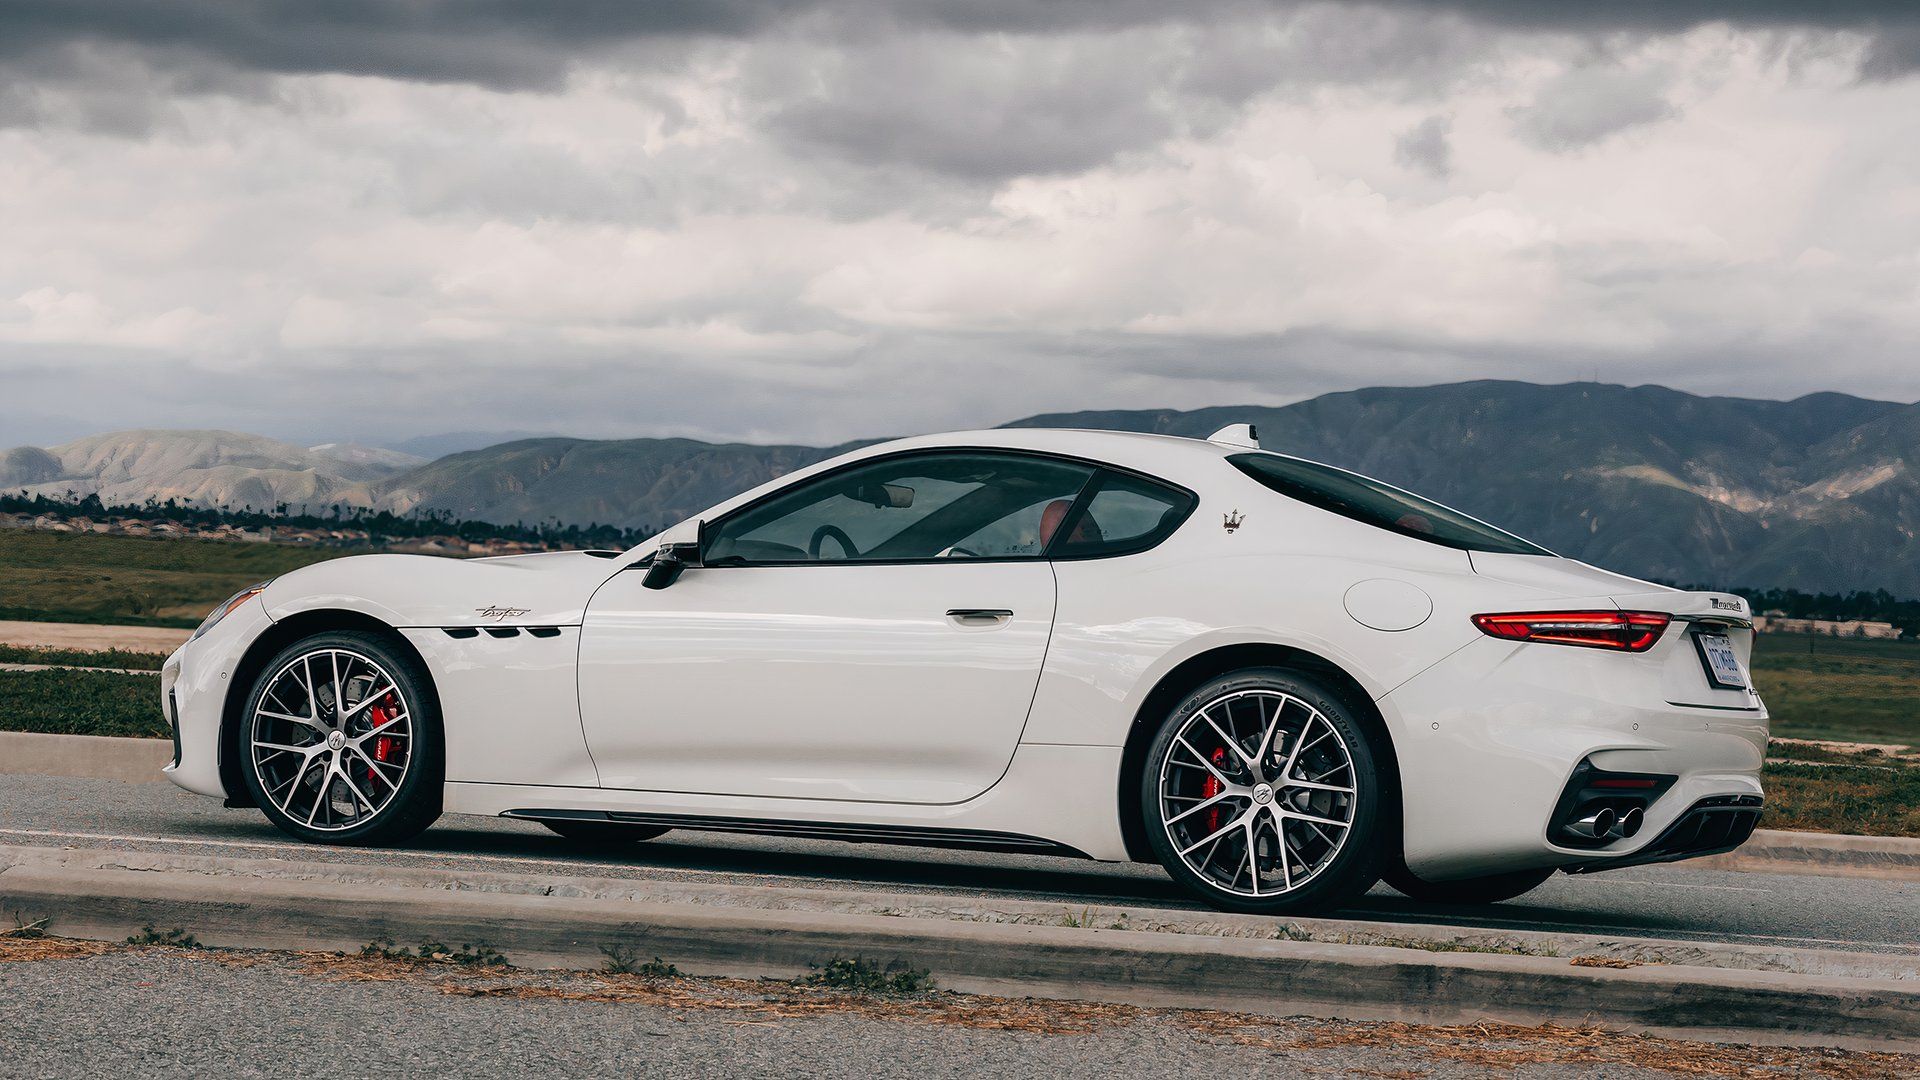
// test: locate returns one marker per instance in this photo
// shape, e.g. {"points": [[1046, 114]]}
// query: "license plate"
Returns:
{"points": [[1723, 664]]}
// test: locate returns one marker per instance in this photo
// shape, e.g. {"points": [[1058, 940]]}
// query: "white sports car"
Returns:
{"points": [[1281, 681]]}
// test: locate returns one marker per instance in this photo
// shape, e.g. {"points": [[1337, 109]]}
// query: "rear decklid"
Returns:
{"points": [[1705, 655]]}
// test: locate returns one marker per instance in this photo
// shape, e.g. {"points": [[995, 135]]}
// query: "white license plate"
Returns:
{"points": [[1723, 664]]}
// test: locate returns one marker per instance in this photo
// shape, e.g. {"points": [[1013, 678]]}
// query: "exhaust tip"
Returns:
{"points": [[1597, 824], [1630, 822]]}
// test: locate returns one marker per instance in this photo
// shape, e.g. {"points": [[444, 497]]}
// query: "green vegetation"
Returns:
{"points": [[106, 658], [865, 977], [91, 578], [1877, 797], [624, 960], [434, 952], [1843, 689], [82, 703], [173, 939]]}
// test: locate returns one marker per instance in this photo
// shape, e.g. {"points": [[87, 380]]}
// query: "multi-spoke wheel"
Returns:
{"points": [[1260, 795], [339, 741]]}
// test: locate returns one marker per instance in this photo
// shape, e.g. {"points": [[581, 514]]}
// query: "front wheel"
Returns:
{"points": [[340, 741], [1490, 889], [1261, 795]]}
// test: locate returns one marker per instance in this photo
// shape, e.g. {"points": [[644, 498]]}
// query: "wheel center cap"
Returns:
{"points": [[1262, 794], [338, 739]]}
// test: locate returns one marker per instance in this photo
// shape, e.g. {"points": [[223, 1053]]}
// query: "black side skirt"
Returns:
{"points": [[916, 836]]}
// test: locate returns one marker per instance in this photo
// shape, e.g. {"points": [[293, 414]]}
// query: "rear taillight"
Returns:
{"points": [[1626, 631]]}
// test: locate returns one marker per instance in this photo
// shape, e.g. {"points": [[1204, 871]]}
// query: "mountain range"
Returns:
{"points": [[1820, 493]]}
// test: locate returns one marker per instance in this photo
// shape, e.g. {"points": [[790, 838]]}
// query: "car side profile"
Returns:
{"points": [[1280, 680]]}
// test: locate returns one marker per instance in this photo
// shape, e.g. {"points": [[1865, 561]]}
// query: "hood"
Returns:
{"points": [[546, 589]]}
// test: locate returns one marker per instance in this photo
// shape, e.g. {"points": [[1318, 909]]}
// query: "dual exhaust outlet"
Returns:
{"points": [[1605, 824]]}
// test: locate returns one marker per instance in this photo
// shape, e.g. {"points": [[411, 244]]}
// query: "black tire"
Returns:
{"points": [[1491, 889], [1353, 865], [415, 801], [604, 832]]}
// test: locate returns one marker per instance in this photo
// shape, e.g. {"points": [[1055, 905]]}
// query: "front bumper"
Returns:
{"points": [[194, 685], [1489, 739]]}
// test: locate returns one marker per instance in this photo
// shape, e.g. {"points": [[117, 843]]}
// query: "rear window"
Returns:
{"points": [[1380, 505]]}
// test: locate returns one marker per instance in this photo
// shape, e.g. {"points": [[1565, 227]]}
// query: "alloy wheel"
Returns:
{"points": [[332, 739], [1257, 793]]}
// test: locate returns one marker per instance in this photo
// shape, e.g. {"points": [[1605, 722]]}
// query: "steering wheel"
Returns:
{"points": [[839, 536], [965, 552]]}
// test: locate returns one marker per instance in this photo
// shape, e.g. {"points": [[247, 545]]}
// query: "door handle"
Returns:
{"points": [[979, 614]]}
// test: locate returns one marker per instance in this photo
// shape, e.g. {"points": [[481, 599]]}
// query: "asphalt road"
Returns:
{"points": [[153, 1012], [1666, 902]]}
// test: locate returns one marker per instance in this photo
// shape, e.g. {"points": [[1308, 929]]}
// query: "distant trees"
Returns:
{"points": [[1878, 605], [381, 525]]}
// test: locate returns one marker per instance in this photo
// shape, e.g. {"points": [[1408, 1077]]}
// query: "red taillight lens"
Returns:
{"points": [[1627, 631]]}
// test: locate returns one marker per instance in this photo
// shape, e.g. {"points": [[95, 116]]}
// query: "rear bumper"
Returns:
{"points": [[1712, 825], [1489, 739]]}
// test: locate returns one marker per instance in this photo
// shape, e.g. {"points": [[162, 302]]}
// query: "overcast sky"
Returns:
{"points": [[774, 220]]}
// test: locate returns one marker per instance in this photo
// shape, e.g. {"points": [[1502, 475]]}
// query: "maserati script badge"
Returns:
{"points": [[501, 612]]}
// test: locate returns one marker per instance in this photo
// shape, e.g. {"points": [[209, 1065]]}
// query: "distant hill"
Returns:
{"points": [[1821, 493], [631, 483], [429, 447], [1817, 493], [212, 468]]}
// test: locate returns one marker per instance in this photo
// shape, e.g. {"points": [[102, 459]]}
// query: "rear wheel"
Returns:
{"points": [[1480, 890], [604, 832], [1261, 795], [340, 741]]}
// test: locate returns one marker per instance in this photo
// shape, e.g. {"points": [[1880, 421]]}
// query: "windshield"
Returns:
{"points": [[1380, 505]]}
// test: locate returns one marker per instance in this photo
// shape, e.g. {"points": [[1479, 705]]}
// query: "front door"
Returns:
{"points": [[874, 634]]}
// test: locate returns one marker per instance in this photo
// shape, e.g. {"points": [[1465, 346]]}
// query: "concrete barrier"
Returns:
{"points": [[94, 757], [308, 906]]}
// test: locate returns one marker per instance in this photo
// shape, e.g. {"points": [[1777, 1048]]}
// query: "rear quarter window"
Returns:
{"points": [[1381, 505]]}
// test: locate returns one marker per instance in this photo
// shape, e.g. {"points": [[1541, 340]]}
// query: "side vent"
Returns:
{"points": [[545, 631], [503, 631], [461, 632]]}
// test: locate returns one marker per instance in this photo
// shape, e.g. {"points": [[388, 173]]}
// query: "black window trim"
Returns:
{"points": [[1396, 530], [1095, 481]]}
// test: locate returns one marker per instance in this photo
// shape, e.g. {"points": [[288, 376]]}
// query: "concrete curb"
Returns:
{"points": [[1770, 851], [100, 900], [95, 757]]}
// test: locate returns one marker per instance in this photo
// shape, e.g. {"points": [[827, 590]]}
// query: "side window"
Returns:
{"points": [[936, 505], [1126, 514]]}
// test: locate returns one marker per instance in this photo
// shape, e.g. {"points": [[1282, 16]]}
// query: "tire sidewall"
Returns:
{"points": [[1355, 867], [418, 801]]}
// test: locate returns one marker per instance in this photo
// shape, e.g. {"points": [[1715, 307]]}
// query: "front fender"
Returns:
{"points": [[427, 590]]}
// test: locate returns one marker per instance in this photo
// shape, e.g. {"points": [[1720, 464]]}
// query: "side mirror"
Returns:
{"points": [[668, 563]]}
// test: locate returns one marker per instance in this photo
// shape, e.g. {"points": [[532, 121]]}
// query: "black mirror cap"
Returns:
{"points": [[668, 563]]}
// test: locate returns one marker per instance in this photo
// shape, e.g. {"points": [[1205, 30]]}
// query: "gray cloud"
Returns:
{"points": [[824, 220], [1588, 104], [1424, 147], [529, 44]]}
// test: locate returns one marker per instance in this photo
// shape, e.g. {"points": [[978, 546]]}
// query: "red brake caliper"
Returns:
{"points": [[1211, 787], [383, 745]]}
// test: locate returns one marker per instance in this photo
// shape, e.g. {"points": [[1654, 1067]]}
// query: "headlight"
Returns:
{"points": [[226, 608]]}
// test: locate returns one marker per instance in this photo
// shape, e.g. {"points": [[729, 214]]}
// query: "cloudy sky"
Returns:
{"points": [[792, 220]]}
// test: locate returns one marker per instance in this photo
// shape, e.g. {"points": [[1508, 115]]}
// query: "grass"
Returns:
{"points": [[82, 703], [106, 658], [90, 578], [1877, 799], [1845, 689]]}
